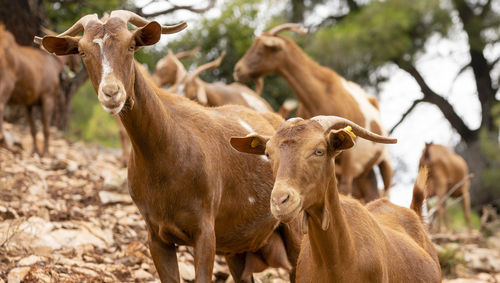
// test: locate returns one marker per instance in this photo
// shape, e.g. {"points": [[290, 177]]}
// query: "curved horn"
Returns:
{"points": [[139, 21], [289, 26], [208, 66], [329, 122], [188, 53], [80, 25]]}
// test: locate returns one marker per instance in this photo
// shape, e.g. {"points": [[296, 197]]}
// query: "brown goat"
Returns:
{"points": [[446, 169], [321, 91], [28, 76], [345, 242], [169, 70], [214, 94], [190, 186]]}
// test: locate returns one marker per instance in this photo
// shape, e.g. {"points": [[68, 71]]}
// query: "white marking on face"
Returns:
{"points": [[246, 126], [106, 71], [254, 102], [251, 200]]}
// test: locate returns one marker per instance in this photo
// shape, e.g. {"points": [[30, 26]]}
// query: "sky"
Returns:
{"points": [[439, 66]]}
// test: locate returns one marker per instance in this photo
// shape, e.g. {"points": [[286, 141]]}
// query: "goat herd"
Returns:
{"points": [[237, 179]]}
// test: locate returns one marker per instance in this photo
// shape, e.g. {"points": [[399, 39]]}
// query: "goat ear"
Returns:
{"points": [[273, 42], [148, 34], [252, 143], [65, 45], [340, 139]]}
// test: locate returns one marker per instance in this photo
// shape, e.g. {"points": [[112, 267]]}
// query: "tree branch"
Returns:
{"points": [[174, 8], [446, 108], [414, 104]]}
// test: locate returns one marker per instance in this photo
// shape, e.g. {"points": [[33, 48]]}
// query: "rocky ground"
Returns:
{"points": [[69, 218]]}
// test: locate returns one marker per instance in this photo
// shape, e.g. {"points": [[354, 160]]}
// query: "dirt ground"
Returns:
{"points": [[69, 218]]}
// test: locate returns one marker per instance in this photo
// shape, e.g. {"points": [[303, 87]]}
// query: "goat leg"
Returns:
{"points": [[165, 259], [237, 264], [47, 111], [204, 253], [29, 116], [6, 88]]}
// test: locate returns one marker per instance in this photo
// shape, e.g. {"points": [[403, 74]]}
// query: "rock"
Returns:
{"points": [[30, 260], [17, 274], [111, 197], [142, 275], [186, 271]]}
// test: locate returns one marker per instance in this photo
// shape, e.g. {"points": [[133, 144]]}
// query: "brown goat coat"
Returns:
{"points": [[321, 91], [189, 185], [28, 76], [445, 170], [381, 242]]}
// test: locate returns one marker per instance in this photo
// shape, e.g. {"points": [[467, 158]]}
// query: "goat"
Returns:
{"points": [[321, 91], [209, 94], [169, 70], [446, 169], [345, 242], [29, 76], [189, 185]]}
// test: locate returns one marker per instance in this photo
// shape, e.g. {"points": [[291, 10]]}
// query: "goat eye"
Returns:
{"points": [[267, 155], [319, 152], [131, 48], [82, 54]]}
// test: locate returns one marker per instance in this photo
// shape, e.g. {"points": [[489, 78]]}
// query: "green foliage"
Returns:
{"points": [[457, 218], [63, 16], [450, 257], [380, 32], [89, 122]]}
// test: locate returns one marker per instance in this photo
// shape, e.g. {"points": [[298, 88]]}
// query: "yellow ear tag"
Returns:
{"points": [[255, 142], [348, 129]]}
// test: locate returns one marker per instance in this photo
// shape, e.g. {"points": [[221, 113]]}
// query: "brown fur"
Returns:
{"points": [[321, 91], [345, 242], [445, 170], [28, 76], [189, 185]]}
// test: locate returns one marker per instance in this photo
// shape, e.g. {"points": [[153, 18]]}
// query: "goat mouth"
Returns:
{"points": [[113, 109], [288, 213]]}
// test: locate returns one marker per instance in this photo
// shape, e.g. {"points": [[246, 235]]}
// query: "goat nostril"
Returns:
{"points": [[281, 199], [285, 199], [110, 90]]}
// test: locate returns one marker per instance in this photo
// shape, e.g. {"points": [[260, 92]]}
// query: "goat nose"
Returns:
{"points": [[280, 199], [110, 90]]}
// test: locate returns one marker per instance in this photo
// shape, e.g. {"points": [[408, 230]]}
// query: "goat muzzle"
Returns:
{"points": [[285, 203]]}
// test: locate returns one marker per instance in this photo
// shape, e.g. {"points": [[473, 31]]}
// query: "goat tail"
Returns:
{"points": [[419, 191]]}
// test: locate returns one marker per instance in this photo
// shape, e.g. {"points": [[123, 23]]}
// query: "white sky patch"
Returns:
{"points": [[246, 126], [254, 102]]}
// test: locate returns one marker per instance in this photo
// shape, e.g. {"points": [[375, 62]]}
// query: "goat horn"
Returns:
{"points": [[208, 66], [329, 122], [139, 21], [293, 27], [80, 25], [188, 53]]}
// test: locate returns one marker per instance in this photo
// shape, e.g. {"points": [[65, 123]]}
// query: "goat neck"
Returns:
{"points": [[314, 85], [335, 245]]}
